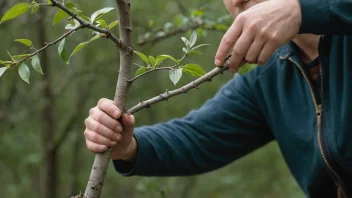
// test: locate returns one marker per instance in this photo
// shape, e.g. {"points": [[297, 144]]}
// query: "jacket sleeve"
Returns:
{"points": [[225, 128], [326, 17]]}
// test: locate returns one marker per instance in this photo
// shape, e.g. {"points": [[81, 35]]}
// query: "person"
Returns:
{"points": [[299, 96]]}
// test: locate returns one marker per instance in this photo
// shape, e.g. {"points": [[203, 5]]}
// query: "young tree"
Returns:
{"points": [[101, 29]]}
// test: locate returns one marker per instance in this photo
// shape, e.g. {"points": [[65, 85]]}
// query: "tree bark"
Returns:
{"points": [[101, 162], [50, 155]]}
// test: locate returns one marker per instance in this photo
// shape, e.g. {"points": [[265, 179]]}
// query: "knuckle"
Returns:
{"points": [[252, 27], [227, 40], [86, 122], [92, 111], [94, 137], [238, 51], [101, 101]]}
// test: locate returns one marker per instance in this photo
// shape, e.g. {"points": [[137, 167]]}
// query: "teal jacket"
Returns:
{"points": [[273, 102]]}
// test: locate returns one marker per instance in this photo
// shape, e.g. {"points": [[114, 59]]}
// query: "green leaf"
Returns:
{"points": [[36, 64], [71, 7], [175, 75], [16, 57], [99, 13], [141, 70], [198, 46], [221, 27], [169, 57], [195, 52], [15, 11], [160, 59], [35, 9], [152, 60], [24, 72], [143, 57], [49, 2], [25, 42], [2, 70], [62, 51], [94, 38], [113, 24], [186, 41], [194, 70], [102, 23], [193, 38], [60, 15], [79, 47]]}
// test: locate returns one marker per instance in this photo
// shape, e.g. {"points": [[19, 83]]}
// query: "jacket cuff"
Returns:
{"points": [[316, 17]]}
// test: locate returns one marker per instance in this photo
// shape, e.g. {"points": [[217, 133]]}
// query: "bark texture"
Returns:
{"points": [[101, 162]]}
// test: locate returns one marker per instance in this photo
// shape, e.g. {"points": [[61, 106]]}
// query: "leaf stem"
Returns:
{"points": [[157, 69]]}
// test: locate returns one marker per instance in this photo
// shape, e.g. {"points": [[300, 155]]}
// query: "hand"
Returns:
{"points": [[103, 131], [257, 32]]}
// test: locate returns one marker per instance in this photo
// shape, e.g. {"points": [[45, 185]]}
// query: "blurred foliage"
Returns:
{"points": [[94, 70]]}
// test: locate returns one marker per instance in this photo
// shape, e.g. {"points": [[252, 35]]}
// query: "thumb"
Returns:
{"points": [[128, 122]]}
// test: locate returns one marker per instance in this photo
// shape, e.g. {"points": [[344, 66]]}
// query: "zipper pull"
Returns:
{"points": [[319, 112]]}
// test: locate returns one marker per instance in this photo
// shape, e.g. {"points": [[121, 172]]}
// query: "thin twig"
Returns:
{"points": [[48, 45], [192, 85], [108, 34]]}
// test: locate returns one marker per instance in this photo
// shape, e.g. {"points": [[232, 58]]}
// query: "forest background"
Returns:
{"points": [[42, 148]]}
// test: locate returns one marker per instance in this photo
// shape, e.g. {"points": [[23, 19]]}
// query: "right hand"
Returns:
{"points": [[104, 131]]}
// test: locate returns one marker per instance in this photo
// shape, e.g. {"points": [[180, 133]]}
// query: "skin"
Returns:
{"points": [[260, 27]]}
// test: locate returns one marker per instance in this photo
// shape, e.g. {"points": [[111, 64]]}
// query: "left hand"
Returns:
{"points": [[257, 32]]}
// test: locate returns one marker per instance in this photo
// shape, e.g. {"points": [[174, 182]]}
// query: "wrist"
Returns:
{"points": [[131, 151]]}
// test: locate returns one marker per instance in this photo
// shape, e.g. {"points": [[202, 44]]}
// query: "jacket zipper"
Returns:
{"points": [[318, 109]]}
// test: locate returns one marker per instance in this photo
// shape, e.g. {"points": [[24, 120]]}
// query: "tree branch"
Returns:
{"points": [[192, 85], [108, 34], [101, 161]]}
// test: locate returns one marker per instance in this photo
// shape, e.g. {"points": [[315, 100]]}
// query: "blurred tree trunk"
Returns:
{"points": [[50, 153]]}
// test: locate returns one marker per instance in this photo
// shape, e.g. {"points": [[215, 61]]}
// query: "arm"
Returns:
{"points": [[225, 128], [326, 17]]}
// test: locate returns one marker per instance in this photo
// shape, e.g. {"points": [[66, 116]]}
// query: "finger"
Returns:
{"points": [[94, 147], [267, 51], [97, 138], [254, 50], [240, 50], [128, 122], [104, 119], [227, 41], [109, 107], [95, 126]]}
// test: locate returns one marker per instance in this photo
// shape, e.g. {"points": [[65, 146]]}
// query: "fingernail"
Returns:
{"points": [[131, 117], [118, 137], [112, 143], [217, 62]]}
